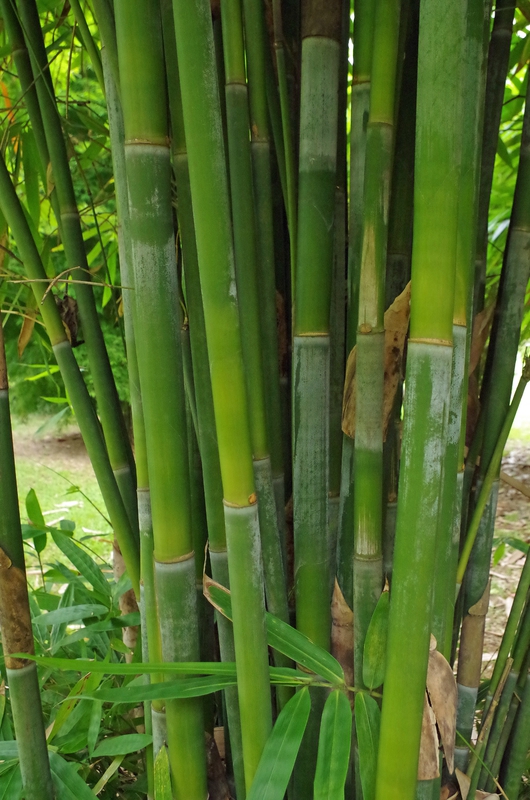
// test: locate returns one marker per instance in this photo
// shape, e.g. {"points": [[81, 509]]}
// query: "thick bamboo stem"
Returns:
{"points": [[428, 385], [211, 211]]}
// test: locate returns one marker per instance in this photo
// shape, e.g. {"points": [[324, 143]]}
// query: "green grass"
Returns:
{"points": [[55, 465]]}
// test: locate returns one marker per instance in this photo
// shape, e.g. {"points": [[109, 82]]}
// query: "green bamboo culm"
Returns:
{"points": [[259, 69], [246, 264], [360, 106], [498, 62], [316, 210], [368, 461], [502, 355], [473, 87], [428, 384], [73, 380], [207, 435], [211, 212], [115, 432], [15, 618], [158, 332], [150, 629]]}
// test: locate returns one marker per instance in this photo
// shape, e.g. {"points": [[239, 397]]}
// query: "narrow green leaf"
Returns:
{"points": [[374, 656], [94, 725], [8, 750], [184, 688], [69, 614], [286, 639], [69, 785], [83, 562], [367, 722], [334, 746], [34, 510], [11, 783], [121, 745], [88, 665], [502, 151], [279, 755], [162, 776]]}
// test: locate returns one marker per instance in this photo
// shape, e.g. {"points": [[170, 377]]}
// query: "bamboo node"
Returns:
{"points": [[426, 340], [365, 328]]}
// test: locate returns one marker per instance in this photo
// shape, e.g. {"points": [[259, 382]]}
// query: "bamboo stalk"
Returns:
{"points": [[498, 61], [428, 382], [246, 260], [138, 25], [368, 461], [515, 760], [360, 105], [207, 435], [15, 618], [258, 64], [450, 511], [211, 211]]}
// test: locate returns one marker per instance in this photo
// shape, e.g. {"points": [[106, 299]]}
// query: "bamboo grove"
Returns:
{"points": [[305, 506]]}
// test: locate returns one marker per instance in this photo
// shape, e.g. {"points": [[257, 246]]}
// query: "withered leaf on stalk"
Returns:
{"points": [[481, 329], [15, 618], [28, 325], [443, 697], [428, 765], [396, 326], [342, 634], [464, 782]]}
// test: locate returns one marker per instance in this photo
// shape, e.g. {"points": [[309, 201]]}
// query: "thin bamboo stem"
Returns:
{"points": [[15, 618], [115, 432]]}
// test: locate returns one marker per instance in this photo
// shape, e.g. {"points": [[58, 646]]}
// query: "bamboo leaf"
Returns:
{"points": [[502, 151], [69, 614], [279, 755], [177, 690], [121, 745], [69, 785], [83, 562], [162, 776], [333, 748], [34, 510], [11, 783], [374, 657], [94, 725], [283, 637], [88, 665], [367, 723]]}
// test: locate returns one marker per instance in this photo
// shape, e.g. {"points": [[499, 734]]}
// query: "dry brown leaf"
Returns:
{"points": [[484, 795], [396, 324], [443, 696], [428, 766], [28, 324], [342, 633], [15, 617], [481, 329], [464, 782]]}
